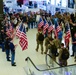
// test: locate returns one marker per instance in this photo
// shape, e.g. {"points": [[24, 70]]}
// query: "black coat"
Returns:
{"points": [[72, 29]]}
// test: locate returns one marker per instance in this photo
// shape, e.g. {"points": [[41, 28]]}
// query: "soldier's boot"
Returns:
{"points": [[45, 52], [36, 50]]}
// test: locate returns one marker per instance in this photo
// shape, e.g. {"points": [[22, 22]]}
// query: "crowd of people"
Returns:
{"points": [[64, 26], [10, 25], [50, 37]]}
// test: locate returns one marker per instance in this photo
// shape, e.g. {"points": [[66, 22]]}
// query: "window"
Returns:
{"points": [[64, 3], [53, 2], [58, 2], [71, 3]]}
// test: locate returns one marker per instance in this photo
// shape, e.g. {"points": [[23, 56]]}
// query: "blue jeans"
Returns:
{"points": [[74, 49], [2, 46], [12, 57], [30, 25], [7, 54], [37, 24]]}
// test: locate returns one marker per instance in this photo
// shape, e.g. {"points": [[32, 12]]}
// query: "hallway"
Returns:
{"points": [[36, 57]]}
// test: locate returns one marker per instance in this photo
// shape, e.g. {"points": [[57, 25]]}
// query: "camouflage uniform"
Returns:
{"points": [[52, 55], [56, 42], [39, 43], [46, 43]]}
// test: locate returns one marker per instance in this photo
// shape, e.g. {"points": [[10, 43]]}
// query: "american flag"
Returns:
{"points": [[57, 29], [18, 30], [67, 34], [46, 25], [41, 23], [23, 39], [50, 27]]}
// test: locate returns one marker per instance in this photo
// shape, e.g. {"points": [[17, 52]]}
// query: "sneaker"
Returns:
{"points": [[13, 64], [8, 60]]}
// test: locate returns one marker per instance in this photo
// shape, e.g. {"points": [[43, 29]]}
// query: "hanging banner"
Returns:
{"points": [[1, 9], [1, 13]]}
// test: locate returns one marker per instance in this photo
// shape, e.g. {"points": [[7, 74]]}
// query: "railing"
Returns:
{"points": [[33, 69], [51, 62]]}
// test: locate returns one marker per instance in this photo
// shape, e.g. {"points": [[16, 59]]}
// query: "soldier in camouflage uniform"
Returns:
{"points": [[38, 41], [51, 48], [62, 62], [47, 42], [56, 42]]}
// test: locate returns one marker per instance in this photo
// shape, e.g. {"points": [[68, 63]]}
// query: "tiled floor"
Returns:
{"points": [[37, 57]]}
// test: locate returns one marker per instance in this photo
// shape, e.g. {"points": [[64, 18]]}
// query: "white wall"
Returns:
{"points": [[10, 3]]}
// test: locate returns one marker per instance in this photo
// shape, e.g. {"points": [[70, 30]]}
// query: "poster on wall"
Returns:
{"points": [[1, 13], [71, 3], [1, 10]]}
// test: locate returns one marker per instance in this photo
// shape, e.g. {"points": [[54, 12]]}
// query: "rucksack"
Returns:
{"points": [[40, 37], [54, 49], [65, 54]]}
